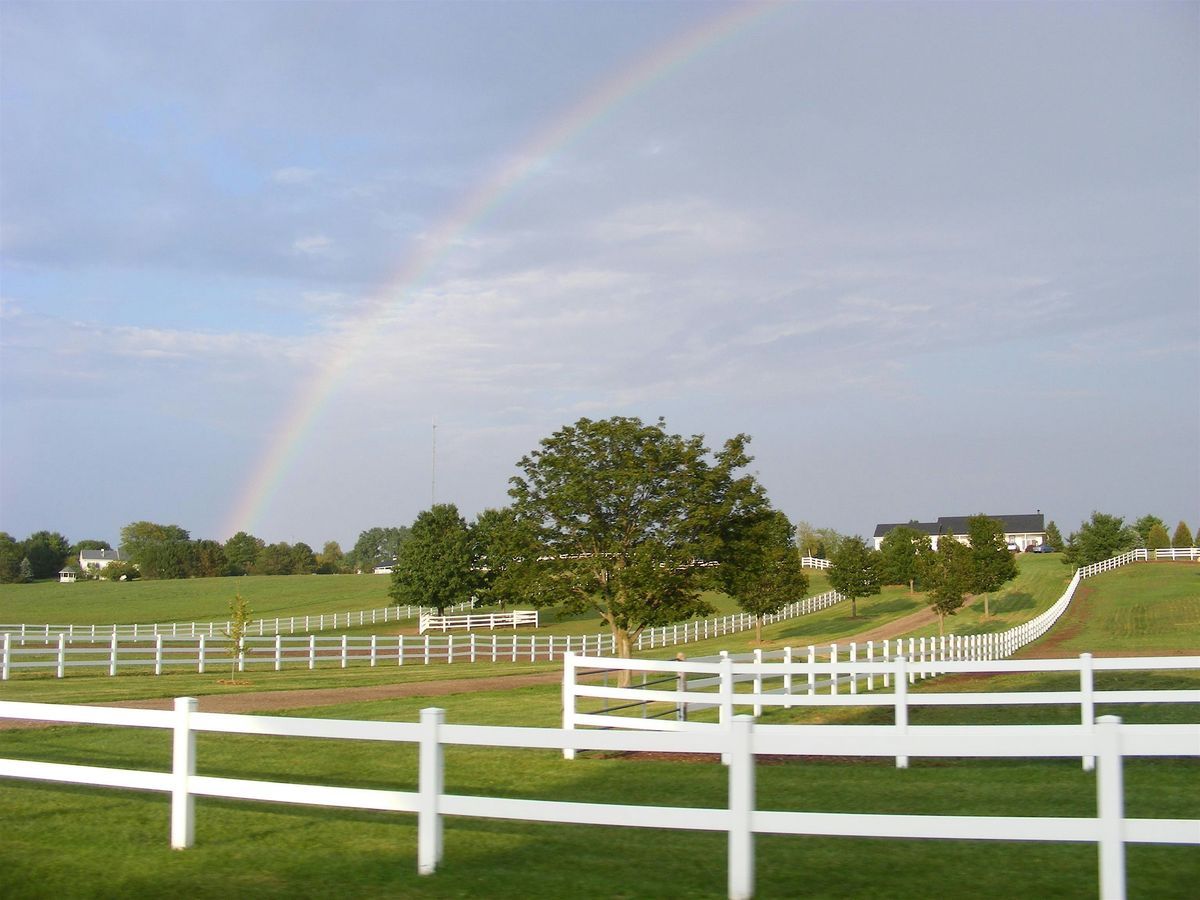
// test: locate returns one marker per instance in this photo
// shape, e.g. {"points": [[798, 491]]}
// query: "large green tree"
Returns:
{"points": [[1182, 536], [947, 576], [209, 560], [241, 552], [899, 556], [159, 551], [377, 546], [767, 575], [625, 519], [1101, 537], [11, 555], [331, 560], [1157, 538], [46, 552], [436, 564], [497, 541], [855, 572], [992, 563]]}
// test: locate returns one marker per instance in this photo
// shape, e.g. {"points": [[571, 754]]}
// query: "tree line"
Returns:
{"points": [[157, 551]]}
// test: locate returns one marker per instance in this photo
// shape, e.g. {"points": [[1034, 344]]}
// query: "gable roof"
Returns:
{"points": [[1018, 523], [98, 555]]}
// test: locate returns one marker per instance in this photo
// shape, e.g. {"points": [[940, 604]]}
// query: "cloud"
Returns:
{"points": [[313, 245], [293, 175]]}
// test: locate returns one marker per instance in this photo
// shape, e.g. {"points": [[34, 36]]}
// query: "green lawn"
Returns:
{"points": [[188, 600]]}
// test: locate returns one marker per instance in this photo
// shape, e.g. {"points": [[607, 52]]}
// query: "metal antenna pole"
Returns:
{"points": [[433, 470]]}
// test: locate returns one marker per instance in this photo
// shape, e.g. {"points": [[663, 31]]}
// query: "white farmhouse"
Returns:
{"points": [[94, 561], [1021, 531]]}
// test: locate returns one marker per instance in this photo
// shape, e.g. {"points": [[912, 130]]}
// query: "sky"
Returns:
{"points": [[935, 259]]}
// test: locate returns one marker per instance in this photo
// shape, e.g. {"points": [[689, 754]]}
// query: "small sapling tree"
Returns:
{"points": [[991, 562], [854, 571], [947, 575], [239, 618]]}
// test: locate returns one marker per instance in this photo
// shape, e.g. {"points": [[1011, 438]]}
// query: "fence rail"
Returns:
{"points": [[785, 679], [259, 627], [1108, 741], [513, 618]]}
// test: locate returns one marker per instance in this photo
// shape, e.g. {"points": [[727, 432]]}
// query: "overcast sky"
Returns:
{"points": [[936, 259]]}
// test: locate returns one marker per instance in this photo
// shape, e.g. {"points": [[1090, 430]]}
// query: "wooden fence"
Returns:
{"points": [[1107, 740]]}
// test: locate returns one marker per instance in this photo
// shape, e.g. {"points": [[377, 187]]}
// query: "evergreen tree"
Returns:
{"points": [[1158, 538], [1053, 537], [1182, 537], [1144, 526], [1102, 537], [25, 570]]}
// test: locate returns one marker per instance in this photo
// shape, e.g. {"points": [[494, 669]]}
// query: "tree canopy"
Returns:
{"points": [[854, 571], [627, 520], [899, 556], [992, 564], [378, 545], [767, 575], [1101, 537], [436, 564], [1182, 536], [947, 576], [1053, 537]]}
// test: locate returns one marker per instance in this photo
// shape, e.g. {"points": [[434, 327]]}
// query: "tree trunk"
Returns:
{"points": [[854, 607], [912, 587], [624, 644], [987, 613], [758, 629], [941, 624]]}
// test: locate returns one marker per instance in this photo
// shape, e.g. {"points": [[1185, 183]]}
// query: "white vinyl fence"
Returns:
{"points": [[513, 618], [683, 688], [259, 627], [161, 654], [1108, 741]]}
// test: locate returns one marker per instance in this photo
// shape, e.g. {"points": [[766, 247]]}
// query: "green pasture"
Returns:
{"points": [[52, 843], [188, 599]]}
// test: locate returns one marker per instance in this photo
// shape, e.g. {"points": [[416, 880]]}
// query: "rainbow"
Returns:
{"points": [[598, 104]]}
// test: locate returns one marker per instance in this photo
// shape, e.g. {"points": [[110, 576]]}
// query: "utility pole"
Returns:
{"points": [[433, 470]]}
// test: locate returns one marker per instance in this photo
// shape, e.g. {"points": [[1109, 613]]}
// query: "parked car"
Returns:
{"points": [[1045, 548]]}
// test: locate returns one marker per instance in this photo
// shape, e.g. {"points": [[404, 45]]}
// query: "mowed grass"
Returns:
{"points": [[1145, 609], [53, 844], [188, 599]]}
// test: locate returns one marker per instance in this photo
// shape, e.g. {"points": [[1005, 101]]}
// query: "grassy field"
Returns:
{"points": [[67, 842]]}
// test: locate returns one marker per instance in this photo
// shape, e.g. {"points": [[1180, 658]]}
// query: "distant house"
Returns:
{"points": [[385, 568], [68, 575], [93, 561], [1021, 531]]}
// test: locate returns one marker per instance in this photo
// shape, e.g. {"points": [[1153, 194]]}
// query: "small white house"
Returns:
{"points": [[94, 561], [387, 569], [68, 575]]}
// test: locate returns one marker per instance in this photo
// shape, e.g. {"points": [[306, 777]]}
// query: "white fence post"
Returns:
{"points": [[112, 656], [1087, 701], [158, 653], [726, 701], [278, 652], [758, 683], [7, 656], [312, 651], [1110, 804], [429, 791], [200, 655], [741, 808], [183, 767], [62, 655], [901, 705], [568, 716]]}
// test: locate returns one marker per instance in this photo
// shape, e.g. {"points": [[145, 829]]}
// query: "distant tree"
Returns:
{"points": [[274, 559], [992, 563], [90, 544], [303, 560], [25, 570], [497, 541], [899, 556], [768, 575], [1100, 538], [136, 535], [434, 567], [1182, 536], [947, 576], [209, 559], [855, 571], [1157, 538], [241, 552], [1053, 538], [46, 552], [1145, 525], [378, 546], [331, 559], [819, 543], [165, 559], [10, 559]]}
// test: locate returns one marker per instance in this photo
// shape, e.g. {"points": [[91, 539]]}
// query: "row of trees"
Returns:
{"points": [[1104, 536], [154, 550], [948, 575]]}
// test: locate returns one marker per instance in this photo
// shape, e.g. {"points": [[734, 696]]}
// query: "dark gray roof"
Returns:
{"points": [[1029, 523], [97, 555]]}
